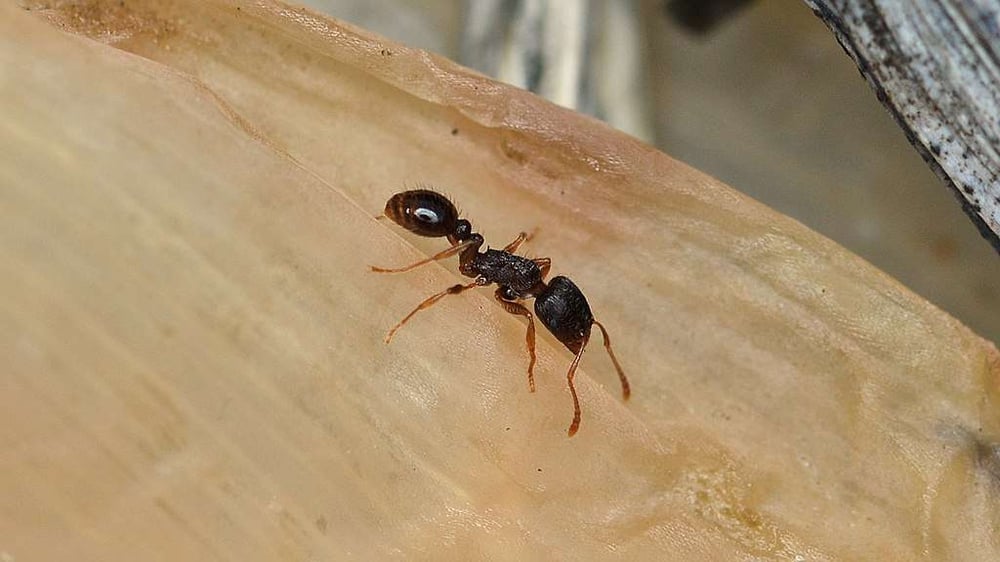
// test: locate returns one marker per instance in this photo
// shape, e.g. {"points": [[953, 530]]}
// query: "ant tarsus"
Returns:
{"points": [[559, 304]]}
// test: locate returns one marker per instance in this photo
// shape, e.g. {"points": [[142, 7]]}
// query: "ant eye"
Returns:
{"points": [[426, 215]]}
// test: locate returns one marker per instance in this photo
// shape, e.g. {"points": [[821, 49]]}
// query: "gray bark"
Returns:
{"points": [[934, 64]]}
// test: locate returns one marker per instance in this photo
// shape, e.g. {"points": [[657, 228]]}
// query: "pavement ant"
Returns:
{"points": [[559, 304]]}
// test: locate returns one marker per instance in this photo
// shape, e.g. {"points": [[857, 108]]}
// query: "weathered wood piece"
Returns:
{"points": [[935, 65], [586, 55]]}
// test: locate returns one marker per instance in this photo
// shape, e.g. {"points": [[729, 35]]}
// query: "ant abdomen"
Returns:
{"points": [[565, 312], [423, 212]]}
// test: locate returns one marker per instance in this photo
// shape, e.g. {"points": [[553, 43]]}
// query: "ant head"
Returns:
{"points": [[423, 212]]}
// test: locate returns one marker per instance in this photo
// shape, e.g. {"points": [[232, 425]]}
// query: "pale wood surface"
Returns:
{"points": [[196, 367]]}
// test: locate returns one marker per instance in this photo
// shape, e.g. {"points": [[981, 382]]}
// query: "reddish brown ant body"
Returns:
{"points": [[559, 304]]}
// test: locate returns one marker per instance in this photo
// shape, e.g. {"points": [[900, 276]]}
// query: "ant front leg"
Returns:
{"points": [[521, 238], [505, 296], [447, 253], [453, 290]]}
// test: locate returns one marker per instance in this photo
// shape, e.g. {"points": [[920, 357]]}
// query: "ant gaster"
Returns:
{"points": [[559, 304]]}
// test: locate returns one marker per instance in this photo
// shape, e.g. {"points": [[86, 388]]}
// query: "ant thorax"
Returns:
{"points": [[510, 270]]}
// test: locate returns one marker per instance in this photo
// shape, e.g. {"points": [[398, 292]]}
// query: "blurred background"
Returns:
{"points": [[754, 92]]}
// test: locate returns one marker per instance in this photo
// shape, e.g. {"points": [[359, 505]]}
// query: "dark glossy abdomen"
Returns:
{"points": [[565, 312]]}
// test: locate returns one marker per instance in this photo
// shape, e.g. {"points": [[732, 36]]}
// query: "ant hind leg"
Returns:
{"points": [[543, 264], [520, 310], [573, 427], [626, 389]]}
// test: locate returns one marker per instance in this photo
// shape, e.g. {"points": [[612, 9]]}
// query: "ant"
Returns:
{"points": [[559, 304]]}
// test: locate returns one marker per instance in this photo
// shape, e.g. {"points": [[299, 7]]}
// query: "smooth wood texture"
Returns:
{"points": [[193, 340]]}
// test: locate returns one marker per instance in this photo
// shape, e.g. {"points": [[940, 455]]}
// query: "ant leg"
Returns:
{"points": [[521, 238], [512, 247], [626, 389], [519, 310], [573, 427], [453, 290], [438, 256], [543, 264]]}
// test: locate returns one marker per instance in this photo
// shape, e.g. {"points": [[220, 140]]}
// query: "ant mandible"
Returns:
{"points": [[559, 304]]}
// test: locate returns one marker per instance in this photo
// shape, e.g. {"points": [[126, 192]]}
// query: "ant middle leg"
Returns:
{"points": [[626, 389], [446, 253], [573, 427], [519, 310], [429, 301]]}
